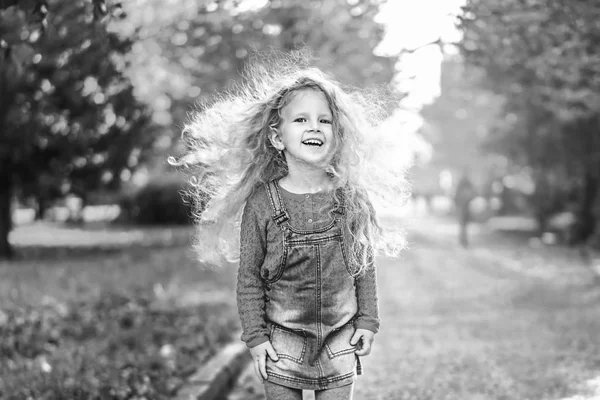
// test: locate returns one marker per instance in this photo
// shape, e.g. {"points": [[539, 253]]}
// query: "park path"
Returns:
{"points": [[497, 321]]}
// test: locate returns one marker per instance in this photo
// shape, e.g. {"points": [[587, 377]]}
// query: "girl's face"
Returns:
{"points": [[305, 134]]}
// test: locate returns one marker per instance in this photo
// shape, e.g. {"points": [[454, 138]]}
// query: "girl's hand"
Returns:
{"points": [[259, 358], [364, 339]]}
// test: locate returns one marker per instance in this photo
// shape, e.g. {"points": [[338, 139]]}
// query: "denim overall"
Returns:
{"points": [[310, 304]]}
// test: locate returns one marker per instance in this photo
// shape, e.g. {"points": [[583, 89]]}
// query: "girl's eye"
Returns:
{"points": [[301, 119], [326, 121]]}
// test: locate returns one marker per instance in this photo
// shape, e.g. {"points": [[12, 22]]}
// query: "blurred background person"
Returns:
{"points": [[463, 196]]}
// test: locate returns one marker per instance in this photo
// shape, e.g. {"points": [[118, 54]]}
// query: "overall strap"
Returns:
{"points": [[280, 214]]}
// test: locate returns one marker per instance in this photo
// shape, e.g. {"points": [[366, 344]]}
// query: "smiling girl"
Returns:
{"points": [[289, 150]]}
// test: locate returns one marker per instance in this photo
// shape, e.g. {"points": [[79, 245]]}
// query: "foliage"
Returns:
{"points": [[543, 57], [344, 41], [38, 10], [69, 119], [457, 123], [86, 122], [202, 47], [136, 320], [547, 50], [158, 202], [118, 346]]}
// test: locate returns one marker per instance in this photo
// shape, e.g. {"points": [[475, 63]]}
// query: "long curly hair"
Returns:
{"points": [[229, 155]]}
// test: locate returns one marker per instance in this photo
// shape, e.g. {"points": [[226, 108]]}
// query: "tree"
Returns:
{"points": [[342, 34], [207, 45], [544, 57], [68, 117], [458, 122]]}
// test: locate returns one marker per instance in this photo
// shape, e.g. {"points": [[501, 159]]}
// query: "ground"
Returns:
{"points": [[115, 312], [119, 312], [507, 318]]}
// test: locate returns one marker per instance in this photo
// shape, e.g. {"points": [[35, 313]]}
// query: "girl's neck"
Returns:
{"points": [[308, 182]]}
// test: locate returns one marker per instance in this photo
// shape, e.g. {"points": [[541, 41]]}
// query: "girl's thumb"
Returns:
{"points": [[272, 354], [355, 338]]}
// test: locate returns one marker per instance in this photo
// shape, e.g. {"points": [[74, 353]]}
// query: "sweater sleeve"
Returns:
{"points": [[366, 290], [250, 289], [366, 293]]}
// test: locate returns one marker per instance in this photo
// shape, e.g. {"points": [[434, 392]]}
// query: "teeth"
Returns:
{"points": [[313, 142]]}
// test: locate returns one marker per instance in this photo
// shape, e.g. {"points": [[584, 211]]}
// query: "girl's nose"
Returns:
{"points": [[314, 127]]}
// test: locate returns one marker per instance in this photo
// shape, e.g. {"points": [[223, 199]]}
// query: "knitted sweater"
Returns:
{"points": [[306, 211]]}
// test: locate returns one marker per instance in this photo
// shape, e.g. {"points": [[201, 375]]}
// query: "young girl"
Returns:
{"points": [[290, 148]]}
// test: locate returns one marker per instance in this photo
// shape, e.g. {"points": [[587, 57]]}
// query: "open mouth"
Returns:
{"points": [[313, 142]]}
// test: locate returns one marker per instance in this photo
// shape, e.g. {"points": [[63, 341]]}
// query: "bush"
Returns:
{"points": [[158, 203], [117, 347]]}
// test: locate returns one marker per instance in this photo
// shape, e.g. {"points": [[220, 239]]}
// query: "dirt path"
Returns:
{"points": [[478, 324]]}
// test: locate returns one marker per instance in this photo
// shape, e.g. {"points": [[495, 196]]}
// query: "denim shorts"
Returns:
{"points": [[337, 364]]}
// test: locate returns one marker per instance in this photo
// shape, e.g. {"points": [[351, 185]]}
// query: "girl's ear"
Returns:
{"points": [[275, 139]]}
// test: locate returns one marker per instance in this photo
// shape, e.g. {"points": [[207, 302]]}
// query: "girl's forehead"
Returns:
{"points": [[305, 97]]}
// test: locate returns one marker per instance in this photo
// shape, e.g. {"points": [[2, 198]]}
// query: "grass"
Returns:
{"points": [[498, 321], [118, 314]]}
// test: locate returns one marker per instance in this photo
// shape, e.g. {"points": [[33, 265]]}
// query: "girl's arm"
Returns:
{"points": [[250, 289], [366, 293]]}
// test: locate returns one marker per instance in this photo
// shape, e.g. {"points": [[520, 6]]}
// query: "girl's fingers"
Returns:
{"points": [[262, 366], [259, 358], [355, 338], [257, 370], [363, 340], [365, 349]]}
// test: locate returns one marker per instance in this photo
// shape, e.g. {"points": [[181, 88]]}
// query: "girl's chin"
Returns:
{"points": [[317, 156], [311, 160]]}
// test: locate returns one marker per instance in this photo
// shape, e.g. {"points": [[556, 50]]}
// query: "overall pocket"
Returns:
{"points": [[289, 344], [275, 274], [293, 261], [338, 342]]}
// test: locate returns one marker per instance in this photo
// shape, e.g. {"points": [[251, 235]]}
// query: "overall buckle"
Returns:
{"points": [[281, 217]]}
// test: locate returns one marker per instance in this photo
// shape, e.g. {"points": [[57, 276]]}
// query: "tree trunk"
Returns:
{"points": [[586, 217], [42, 207], [6, 251]]}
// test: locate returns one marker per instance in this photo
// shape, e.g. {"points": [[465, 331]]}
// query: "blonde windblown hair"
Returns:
{"points": [[229, 155]]}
